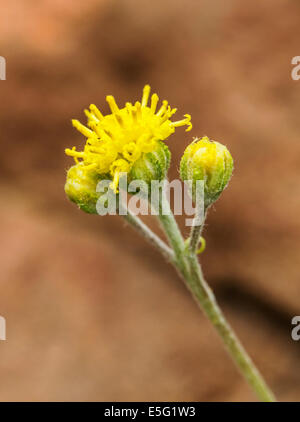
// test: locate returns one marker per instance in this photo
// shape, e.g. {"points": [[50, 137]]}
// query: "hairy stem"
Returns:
{"points": [[173, 234], [196, 230], [151, 237], [189, 267], [205, 298]]}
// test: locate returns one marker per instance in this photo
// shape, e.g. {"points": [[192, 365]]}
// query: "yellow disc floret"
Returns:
{"points": [[116, 141]]}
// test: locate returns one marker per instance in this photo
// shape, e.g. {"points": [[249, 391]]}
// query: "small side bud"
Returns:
{"points": [[209, 161], [152, 165], [81, 187]]}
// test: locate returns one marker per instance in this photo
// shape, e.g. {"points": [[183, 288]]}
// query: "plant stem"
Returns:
{"points": [[173, 234], [188, 265], [151, 237], [196, 231], [205, 298]]}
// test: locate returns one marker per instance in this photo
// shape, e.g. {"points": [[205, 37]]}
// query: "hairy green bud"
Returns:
{"points": [[152, 165], [210, 162], [81, 187]]}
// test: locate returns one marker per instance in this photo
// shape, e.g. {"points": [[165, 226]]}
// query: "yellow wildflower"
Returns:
{"points": [[116, 141]]}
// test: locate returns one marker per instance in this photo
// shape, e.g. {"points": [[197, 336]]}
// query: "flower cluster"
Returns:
{"points": [[118, 140]]}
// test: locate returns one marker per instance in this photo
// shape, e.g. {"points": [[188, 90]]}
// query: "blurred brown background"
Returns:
{"points": [[93, 313]]}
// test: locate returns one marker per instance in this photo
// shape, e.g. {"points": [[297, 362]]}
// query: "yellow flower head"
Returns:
{"points": [[116, 141]]}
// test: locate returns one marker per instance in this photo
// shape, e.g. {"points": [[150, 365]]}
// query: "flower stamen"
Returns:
{"points": [[162, 109], [96, 112], [154, 102], [112, 104], [184, 122], [146, 93], [81, 128]]}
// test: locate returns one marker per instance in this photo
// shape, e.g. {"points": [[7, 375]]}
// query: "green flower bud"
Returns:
{"points": [[81, 187], [209, 161], [152, 165]]}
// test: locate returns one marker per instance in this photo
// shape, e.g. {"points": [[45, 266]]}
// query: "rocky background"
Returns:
{"points": [[93, 313]]}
